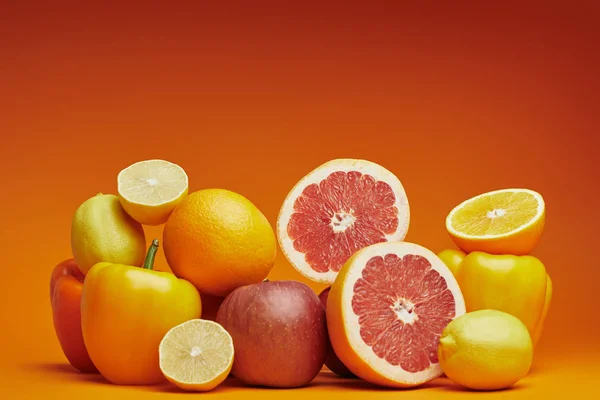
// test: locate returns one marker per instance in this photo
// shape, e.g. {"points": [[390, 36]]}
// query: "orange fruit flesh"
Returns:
{"points": [[495, 214]]}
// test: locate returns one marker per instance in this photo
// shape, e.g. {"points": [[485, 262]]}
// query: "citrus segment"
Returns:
{"points": [[339, 208], [150, 190], [508, 221], [387, 310], [196, 355]]}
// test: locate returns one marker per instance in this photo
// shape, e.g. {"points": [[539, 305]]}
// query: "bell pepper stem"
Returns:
{"points": [[149, 261]]}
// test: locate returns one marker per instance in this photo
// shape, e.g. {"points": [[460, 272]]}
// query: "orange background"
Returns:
{"points": [[454, 101]]}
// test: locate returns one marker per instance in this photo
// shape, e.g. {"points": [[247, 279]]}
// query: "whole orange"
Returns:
{"points": [[218, 240]]}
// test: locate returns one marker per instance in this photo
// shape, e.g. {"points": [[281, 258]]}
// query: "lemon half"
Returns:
{"points": [[196, 355], [150, 190]]}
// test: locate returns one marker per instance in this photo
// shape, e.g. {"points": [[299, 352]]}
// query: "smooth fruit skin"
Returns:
{"points": [[452, 258], [513, 284], [66, 285], [279, 333], [125, 313], [332, 361], [485, 350], [218, 240], [101, 231]]}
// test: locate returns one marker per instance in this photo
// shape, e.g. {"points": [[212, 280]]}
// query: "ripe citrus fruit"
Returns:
{"points": [[196, 355], [386, 311], [102, 231], [508, 221], [218, 240], [150, 190], [486, 350], [337, 209]]}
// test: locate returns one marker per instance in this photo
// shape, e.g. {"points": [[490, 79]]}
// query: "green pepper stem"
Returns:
{"points": [[149, 261]]}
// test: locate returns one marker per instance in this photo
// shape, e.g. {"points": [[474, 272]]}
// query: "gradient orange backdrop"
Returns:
{"points": [[455, 101]]}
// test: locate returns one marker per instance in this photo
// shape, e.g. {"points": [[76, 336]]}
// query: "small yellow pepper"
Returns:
{"points": [[518, 285], [125, 313], [452, 258]]}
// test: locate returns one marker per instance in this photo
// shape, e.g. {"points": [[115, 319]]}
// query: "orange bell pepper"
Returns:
{"points": [[125, 313], [66, 285]]}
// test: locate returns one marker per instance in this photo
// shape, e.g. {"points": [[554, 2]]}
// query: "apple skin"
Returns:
{"points": [[332, 361], [279, 333]]}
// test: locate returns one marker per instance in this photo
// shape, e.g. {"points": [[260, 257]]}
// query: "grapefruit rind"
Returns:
{"points": [[344, 328], [380, 173]]}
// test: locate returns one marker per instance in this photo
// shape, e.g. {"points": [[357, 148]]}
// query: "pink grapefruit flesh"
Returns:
{"points": [[338, 209], [388, 308]]}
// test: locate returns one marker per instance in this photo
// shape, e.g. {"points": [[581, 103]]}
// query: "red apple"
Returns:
{"points": [[331, 360], [279, 333]]}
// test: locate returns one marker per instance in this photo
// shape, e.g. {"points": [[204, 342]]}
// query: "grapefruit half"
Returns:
{"points": [[386, 312], [337, 209]]}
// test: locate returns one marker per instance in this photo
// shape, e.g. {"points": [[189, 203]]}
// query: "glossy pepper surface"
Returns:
{"points": [[518, 285], [66, 286], [126, 311]]}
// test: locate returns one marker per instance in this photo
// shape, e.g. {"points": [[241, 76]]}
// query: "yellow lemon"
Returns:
{"points": [[150, 190], [485, 350], [196, 355], [102, 231]]}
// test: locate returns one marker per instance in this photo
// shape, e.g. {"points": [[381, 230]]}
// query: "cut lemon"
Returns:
{"points": [[508, 221], [150, 190], [196, 355]]}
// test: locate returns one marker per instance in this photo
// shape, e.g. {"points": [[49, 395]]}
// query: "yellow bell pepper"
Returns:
{"points": [[452, 258], [518, 285], [125, 313]]}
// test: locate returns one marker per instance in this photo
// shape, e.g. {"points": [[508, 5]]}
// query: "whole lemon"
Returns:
{"points": [[218, 240], [102, 231], [485, 350]]}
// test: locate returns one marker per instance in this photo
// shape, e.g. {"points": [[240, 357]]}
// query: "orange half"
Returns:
{"points": [[507, 221]]}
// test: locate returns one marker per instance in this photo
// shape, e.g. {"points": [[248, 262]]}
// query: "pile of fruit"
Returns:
{"points": [[393, 313]]}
